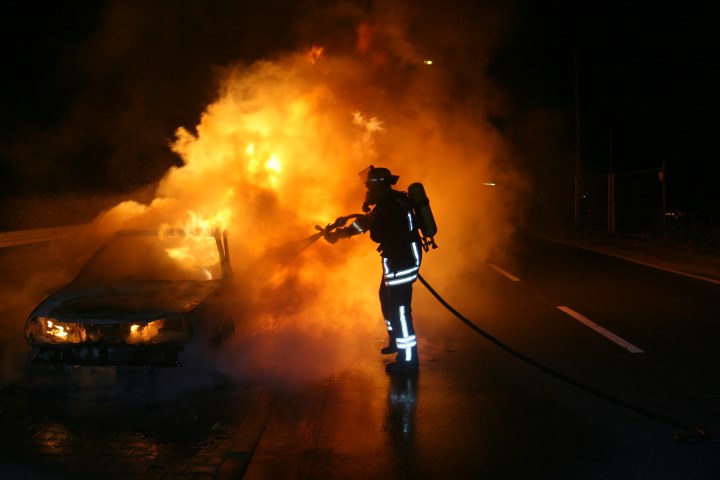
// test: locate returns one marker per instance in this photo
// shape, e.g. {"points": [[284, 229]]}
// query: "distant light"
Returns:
{"points": [[489, 184], [428, 62]]}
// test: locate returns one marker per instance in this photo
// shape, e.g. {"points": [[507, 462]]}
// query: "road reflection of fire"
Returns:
{"points": [[400, 426]]}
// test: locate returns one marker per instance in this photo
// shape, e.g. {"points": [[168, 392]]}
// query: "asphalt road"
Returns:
{"points": [[644, 338]]}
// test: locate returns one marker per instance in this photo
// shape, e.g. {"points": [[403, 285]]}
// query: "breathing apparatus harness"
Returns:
{"points": [[415, 201], [420, 207]]}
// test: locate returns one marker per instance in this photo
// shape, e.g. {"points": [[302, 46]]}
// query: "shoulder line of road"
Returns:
{"points": [[601, 251]]}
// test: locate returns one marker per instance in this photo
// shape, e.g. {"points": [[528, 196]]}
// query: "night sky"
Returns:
{"points": [[79, 76], [647, 92]]}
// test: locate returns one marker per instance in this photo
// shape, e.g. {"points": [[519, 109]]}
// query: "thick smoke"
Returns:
{"points": [[279, 149]]}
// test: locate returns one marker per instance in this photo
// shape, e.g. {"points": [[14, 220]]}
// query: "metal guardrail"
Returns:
{"points": [[37, 235]]}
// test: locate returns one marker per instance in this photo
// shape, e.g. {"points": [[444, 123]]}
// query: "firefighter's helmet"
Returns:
{"points": [[380, 176]]}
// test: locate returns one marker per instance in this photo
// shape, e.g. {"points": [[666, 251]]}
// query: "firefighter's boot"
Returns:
{"points": [[405, 362]]}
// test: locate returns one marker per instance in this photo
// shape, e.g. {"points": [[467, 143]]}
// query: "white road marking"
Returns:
{"points": [[503, 272], [602, 331]]}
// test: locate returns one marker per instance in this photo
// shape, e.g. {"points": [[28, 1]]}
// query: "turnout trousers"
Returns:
{"points": [[395, 302]]}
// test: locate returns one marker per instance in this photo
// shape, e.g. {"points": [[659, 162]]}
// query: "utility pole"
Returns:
{"points": [[576, 203], [662, 176], [611, 190]]}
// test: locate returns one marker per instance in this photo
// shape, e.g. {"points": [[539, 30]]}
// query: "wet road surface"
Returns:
{"points": [[473, 411]]}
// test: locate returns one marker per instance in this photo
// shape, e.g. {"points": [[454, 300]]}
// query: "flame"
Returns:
{"points": [[277, 152], [264, 167], [56, 330], [314, 54], [144, 333], [198, 249]]}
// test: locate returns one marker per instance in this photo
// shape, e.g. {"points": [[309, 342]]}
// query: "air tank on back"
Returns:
{"points": [[421, 205]]}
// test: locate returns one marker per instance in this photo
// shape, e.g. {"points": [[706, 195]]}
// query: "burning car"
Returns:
{"points": [[139, 300]]}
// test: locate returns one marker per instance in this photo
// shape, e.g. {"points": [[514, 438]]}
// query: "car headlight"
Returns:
{"points": [[49, 330]]}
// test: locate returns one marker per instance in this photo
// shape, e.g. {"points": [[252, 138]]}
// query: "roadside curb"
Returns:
{"points": [[37, 235], [677, 269]]}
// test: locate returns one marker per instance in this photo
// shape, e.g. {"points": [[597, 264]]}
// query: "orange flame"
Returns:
{"points": [[198, 249], [144, 333], [58, 331], [278, 152], [314, 54]]}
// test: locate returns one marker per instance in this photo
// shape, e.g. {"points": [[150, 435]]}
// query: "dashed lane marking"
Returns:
{"points": [[503, 272], [602, 331], [577, 316]]}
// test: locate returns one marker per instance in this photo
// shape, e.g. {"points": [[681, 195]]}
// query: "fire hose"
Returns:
{"points": [[696, 435]]}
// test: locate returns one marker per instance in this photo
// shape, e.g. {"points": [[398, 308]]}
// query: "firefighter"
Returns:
{"points": [[389, 218]]}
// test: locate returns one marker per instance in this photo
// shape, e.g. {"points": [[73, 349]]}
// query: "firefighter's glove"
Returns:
{"points": [[331, 236], [340, 222]]}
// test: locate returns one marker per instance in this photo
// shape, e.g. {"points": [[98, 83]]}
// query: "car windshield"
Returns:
{"points": [[153, 257]]}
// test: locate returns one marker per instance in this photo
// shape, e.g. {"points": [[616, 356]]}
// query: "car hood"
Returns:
{"points": [[120, 303]]}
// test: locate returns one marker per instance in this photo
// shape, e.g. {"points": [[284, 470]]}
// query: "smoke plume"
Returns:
{"points": [[278, 150]]}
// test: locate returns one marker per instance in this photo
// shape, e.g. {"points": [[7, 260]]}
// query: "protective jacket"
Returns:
{"points": [[391, 224]]}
